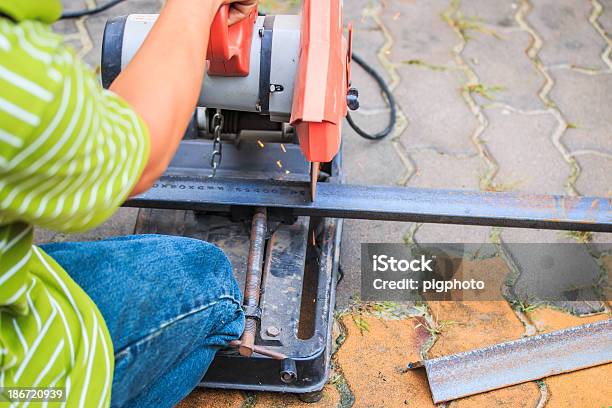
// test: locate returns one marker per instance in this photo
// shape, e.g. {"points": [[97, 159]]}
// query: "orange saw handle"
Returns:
{"points": [[229, 48]]}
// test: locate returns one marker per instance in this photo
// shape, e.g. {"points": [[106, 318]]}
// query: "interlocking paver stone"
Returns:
{"points": [[522, 147], [121, 223], [438, 116], [441, 233], [373, 362], [595, 174], [605, 19], [366, 42], [419, 32], [568, 36], [586, 103], [504, 69], [354, 233], [435, 170], [202, 397], [496, 13], [468, 325]]}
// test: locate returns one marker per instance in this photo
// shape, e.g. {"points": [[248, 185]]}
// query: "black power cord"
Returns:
{"points": [[360, 61], [88, 12], [390, 100]]}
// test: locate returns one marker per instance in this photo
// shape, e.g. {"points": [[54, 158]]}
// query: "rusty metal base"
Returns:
{"points": [[299, 273], [298, 295]]}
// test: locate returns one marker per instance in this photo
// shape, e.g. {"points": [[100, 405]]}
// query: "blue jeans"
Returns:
{"points": [[169, 303]]}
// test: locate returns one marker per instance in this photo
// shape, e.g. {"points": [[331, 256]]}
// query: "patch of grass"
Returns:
{"points": [[436, 328], [424, 64], [347, 399], [483, 90], [501, 187], [583, 237], [525, 305], [361, 324], [250, 400], [385, 307], [464, 24], [572, 125]]}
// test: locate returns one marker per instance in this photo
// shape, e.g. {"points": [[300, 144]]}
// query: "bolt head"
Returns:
{"points": [[273, 331]]}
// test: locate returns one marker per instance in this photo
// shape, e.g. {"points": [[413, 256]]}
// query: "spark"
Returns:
{"points": [[260, 143], [283, 148], [279, 164]]}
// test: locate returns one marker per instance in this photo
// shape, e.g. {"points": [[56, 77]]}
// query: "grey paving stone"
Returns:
{"points": [[74, 5], [438, 116], [65, 27], [589, 138], [435, 170], [567, 35], [121, 223], [367, 41], [366, 44], [370, 162], [523, 235], [420, 33], [495, 13], [586, 103], [366, 162], [356, 232], [357, 11], [528, 160], [69, 26], [503, 68], [561, 275], [595, 175], [606, 16], [440, 233]]}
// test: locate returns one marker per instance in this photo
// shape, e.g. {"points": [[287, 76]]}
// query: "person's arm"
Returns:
{"points": [[163, 80]]}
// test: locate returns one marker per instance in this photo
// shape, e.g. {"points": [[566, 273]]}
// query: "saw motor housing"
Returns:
{"points": [[276, 78]]}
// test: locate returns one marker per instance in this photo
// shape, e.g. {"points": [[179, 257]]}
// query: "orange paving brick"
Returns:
{"points": [[469, 325], [546, 319], [493, 271], [207, 398], [591, 387], [330, 399], [474, 324], [524, 395], [372, 362]]}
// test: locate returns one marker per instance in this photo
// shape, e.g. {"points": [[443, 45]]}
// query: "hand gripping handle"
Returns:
{"points": [[229, 48]]}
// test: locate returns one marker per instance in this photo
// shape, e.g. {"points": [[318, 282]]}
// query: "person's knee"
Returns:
{"points": [[202, 264]]}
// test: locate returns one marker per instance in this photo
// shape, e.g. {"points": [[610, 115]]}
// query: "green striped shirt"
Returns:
{"points": [[70, 153]]}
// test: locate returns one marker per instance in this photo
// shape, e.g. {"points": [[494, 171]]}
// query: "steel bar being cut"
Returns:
{"points": [[253, 280], [337, 200], [515, 362]]}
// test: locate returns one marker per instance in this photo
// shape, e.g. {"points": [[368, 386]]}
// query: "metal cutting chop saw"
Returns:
{"points": [[282, 78], [273, 99], [264, 138]]}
